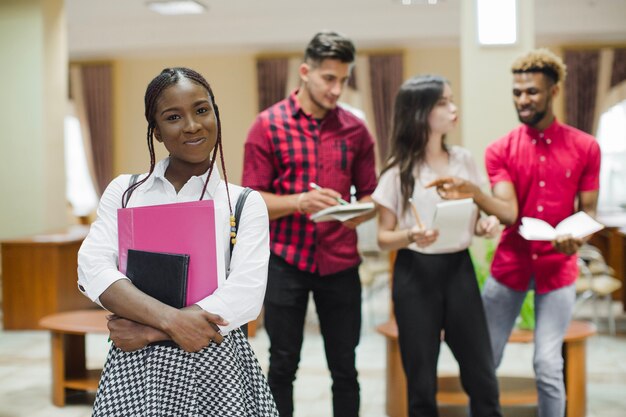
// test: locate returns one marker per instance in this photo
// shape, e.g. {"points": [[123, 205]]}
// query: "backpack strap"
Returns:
{"points": [[131, 182], [241, 200]]}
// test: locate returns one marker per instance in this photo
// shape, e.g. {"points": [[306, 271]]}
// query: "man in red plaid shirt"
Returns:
{"points": [[307, 138]]}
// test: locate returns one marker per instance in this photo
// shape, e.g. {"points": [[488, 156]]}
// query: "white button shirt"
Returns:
{"points": [[237, 299]]}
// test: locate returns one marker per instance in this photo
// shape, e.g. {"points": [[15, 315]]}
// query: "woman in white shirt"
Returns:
{"points": [[434, 289], [209, 369]]}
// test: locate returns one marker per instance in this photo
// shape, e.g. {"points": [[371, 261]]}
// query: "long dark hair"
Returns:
{"points": [[167, 78], [415, 99]]}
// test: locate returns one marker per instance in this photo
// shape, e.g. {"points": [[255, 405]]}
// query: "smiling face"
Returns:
{"points": [[322, 85], [532, 96], [443, 117], [186, 125]]}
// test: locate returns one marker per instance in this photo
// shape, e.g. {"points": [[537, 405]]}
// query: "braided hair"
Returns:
{"points": [[167, 78]]}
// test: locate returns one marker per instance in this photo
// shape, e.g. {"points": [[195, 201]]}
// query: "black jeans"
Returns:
{"points": [[338, 303], [435, 292]]}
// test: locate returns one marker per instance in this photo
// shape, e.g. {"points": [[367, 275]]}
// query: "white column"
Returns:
{"points": [[486, 79], [33, 81]]}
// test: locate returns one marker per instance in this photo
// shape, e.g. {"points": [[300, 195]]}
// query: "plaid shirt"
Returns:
{"points": [[287, 149]]}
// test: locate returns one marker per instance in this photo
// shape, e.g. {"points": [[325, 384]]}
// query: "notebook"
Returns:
{"points": [[455, 221], [160, 275], [342, 212]]}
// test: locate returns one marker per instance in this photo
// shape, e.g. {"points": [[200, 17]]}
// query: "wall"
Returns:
{"points": [[34, 90], [233, 80], [444, 61]]}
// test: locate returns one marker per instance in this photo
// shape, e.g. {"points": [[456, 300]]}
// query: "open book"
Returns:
{"points": [[342, 212], [578, 225], [455, 220]]}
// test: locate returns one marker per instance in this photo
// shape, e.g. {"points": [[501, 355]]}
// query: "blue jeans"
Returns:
{"points": [[553, 312]]}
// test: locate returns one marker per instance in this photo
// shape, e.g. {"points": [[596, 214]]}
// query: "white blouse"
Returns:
{"points": [[237, 299], [388, 194]]}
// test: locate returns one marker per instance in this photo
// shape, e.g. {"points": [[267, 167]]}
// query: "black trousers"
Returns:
{"points": [[338, 303], [435, 292]]}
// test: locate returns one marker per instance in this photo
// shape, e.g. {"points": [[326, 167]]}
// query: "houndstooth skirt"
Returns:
{"points": [[221, 380]]}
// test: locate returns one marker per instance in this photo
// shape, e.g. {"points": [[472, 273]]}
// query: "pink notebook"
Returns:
{"points": [[183, 228]]}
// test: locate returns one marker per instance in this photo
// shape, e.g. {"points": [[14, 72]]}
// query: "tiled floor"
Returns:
{"points": [[25, 370]]}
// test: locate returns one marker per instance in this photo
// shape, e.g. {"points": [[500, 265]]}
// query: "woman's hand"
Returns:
{"points": [[193, 328], [488, 227], [421, 237], [129, 335]]}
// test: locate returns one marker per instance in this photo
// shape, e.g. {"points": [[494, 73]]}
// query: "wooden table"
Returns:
{"points": [[69, 370], [39, 278], [513, 391]]}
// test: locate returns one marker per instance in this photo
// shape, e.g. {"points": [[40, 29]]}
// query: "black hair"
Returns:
{"points": [[167, 78], [548, 72], [329, 45], [415, 99]]}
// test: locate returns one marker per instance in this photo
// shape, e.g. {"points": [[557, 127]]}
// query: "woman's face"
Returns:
{"points": [[443, 118], [186, 123]]}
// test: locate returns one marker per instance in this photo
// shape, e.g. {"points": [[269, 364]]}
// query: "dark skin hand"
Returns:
{"points": [[502, 202], [452, 188], [567, 244], [587, 202], [191, 327], [129, 335]]}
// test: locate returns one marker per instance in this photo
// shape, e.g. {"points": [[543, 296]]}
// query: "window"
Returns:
{"points": [[611, 136], [79, 189]]}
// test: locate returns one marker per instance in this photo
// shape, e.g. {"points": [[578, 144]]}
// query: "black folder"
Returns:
{"points": [[160, 275]]}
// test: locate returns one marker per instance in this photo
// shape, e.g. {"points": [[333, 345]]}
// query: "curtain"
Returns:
{"points": [[581, 87], [385, 79], [97, 98], [271, 80], [618, 72], [78, 109]]}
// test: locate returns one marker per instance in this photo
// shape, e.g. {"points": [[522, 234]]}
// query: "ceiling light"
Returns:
{"points": [[417, 2], [176, 7], [497, 22]]}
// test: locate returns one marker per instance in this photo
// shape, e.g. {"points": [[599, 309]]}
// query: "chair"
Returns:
{"points": [[374, 274], [374, 268], [596, 282]]}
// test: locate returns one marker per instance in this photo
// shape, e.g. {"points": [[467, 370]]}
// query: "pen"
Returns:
{"points": [[415, 214], [318, 188]]}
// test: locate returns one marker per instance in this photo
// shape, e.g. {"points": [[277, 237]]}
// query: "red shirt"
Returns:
{"points": [[548, 169], [286, 149]]}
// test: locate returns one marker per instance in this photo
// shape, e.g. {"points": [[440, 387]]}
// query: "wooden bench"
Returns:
{"points": [[69, 370], [519, 392]]}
